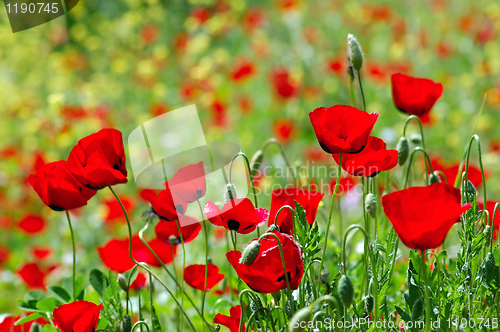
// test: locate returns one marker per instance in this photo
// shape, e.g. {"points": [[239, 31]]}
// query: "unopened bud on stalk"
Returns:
{"points": [[273, 228], [300, 320], [371, 205], [34, 327], [256, 161], [126, 324], [487, 235], [489, 267], [250, 253], [369, 304], [403, 150], [417, 310], [122, 281], [276, 296], [355, 53], [434, 178], [172, 239], [470, 192], [346, 290], [230, 193], [325, 276], [217, 328]]}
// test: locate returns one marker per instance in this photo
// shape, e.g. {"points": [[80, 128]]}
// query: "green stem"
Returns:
{"points": [[362, 93], [423, 269], [353, 98], [475, 137], [414, 117], [140, 323], [183, 266], [205, 229], [74, 253], [275, 141], [249, 173], [410, 163]]}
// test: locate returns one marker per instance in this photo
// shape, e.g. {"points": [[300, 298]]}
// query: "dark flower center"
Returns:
{"points": [[233, 225]]}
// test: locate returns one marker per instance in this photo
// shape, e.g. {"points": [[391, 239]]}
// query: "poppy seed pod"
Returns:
{"points": [[403, 150], [434, 178], [346, 290], [355, 53], [126, 324], [371, 205], [122, 281], [489, 267], [417, 310], [229, 193], [256, 161], [299, 321], [250, 253]]}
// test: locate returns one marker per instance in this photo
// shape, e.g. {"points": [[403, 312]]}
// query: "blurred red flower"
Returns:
{"points": [[286, 196], [345, 185], [422, 216], [115, 253], [147, 194], [33, 275], [190, 228], [232, 322], [32, 224], [189, 182], [473, 175], [373, 159], [219, 113], [58, 188], [413, 95], [41, 253], [114, 211], [338, 66], [242, 70], [284, 130], [265, 274], [149, 33], [283, 84], [139, 282], [7, 325], [252, 19], [167, 205], [4, 254], [79, 316], [98, 160], [201, 14], [237, 215], [342, 128], [194, 276]]}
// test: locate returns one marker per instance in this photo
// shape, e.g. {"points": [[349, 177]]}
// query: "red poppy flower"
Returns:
{"points": [[58, 188], [422, 216], [284, 130], [8, 324], [345, 185], [338, 66], [114, 211], [280, 197], [237, 215], [4, 254], [490, 207], [415, 95], [79, 316], [232, 322], [226, 290], [190, 228], [219, 111], [266, 274], [374, 159], [473, 175], [167, 205], [34, 275], [115, 254], [242, 70], [98, 160], [189, 182], [194, 276], [147, 194], [32, 224], [282, 83], [139, 282], [342, 128]]}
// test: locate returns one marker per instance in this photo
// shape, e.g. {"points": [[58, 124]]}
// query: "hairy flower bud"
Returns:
{"points": [[273, 228], [434, 178], [299, 321], [172, 239], [250, 253], [369, 304], [346, 290], [325, 275], [487, 235], [256, 161], [470, 192], [403, 150], [355, 52], [126, 324], [489, 267], [230, 193], [417, 310], [34, 327], [371, 205], [122, 281]]}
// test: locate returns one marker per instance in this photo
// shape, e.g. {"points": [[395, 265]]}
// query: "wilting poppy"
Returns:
{"points": [[413, 95], [232, 322], [115, 254], [490, 207], [58, 188], [8, 324], [374, 159], [194, 276], [32, 224], [342, 128], [114, 211], [287, 196], [237, 215], [189, 182], [33, 275], [266, 274], [98, 160], [283, 84], [422, 216], [190, 228], [79, 316], [168, 205]]}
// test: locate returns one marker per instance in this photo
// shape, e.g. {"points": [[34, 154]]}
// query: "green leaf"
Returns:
{"points": [[403, 314], [48, 304], [103, 323], [47, 328], [155, 322], [28, 305], [28, 318], [59, 293], [98, 281], [34, 295]]}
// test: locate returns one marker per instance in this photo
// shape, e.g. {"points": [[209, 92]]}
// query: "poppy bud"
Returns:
{"points": [[122, 281], [325, 275], [434, 178], [487, 235], [35, 327], [489, 267], [126, 324], [250, 253], [276, 296], [369, 303], [371, 205], [470, 192], [416, 138], [346, 290], [299, 321], [229, 193], [256, 161], [355, 53], [403, 149], [273, 228], [172, 239], [417, 310]]}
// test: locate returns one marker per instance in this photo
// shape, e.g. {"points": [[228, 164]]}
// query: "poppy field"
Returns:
{"points": [[335, 167]]}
